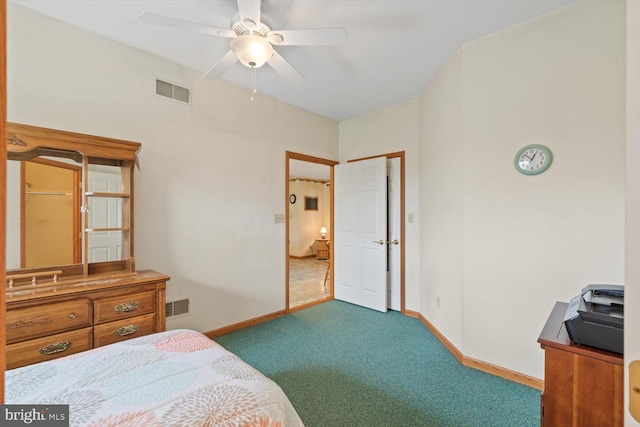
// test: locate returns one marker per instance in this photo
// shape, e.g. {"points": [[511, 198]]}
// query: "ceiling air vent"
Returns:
{"points": [[170, 90], [177, 308]]}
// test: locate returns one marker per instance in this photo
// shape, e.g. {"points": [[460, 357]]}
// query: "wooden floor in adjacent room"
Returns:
{"points": [[307, 280]]}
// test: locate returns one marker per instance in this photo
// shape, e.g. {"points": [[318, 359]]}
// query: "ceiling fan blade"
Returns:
{"points": [[285, 69], [152, 18], [221, 67], [311, 37], [249, 11]]}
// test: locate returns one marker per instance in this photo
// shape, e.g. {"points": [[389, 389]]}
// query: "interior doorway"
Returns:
{"points": [[309, 230]]}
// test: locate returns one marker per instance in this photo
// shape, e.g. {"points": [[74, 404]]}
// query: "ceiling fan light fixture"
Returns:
{"points": [[253, 51]]}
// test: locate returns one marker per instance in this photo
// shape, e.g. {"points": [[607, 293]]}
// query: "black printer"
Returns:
{"points": [[596, 317]]}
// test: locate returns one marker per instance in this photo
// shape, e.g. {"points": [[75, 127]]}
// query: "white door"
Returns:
{"points": [[360, 249], [105, 212], [394, 235]]}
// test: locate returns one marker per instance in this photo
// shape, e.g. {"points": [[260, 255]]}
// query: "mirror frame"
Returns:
{"points": [[25, 142]]}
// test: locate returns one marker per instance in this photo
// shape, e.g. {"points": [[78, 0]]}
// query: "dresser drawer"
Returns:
{"points": [[42, 320], [124, 329], [108, 309], [48, 348]]}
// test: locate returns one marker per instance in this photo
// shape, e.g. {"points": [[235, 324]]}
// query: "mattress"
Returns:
{"points": [[173, 378]]}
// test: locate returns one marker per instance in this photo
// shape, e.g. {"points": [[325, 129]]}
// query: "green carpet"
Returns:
{"points": [[343, 365]]}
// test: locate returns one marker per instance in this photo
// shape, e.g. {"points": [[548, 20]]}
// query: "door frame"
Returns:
{"points": [[290, 155], [399, 154]]}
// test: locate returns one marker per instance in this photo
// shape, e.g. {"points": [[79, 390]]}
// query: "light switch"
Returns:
{"points": [[410, 218], [278, 218]]}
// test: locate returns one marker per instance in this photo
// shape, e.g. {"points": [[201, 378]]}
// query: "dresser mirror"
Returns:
{"points": [[69, 203], [43, 212]]}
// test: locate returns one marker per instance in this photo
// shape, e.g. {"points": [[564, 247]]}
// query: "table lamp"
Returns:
{"points": [[323, 232]]}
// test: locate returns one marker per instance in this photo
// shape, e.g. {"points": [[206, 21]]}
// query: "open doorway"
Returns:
{"points": [[309, 222]]}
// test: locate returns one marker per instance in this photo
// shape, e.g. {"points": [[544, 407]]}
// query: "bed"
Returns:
{"points": [[173, 378]]}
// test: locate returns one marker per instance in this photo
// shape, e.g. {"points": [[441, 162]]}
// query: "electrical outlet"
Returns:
{"points": [[278, 218]]}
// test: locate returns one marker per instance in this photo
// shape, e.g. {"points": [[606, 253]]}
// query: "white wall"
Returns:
{"points": [[386, 131], [441, 203], [632, 235], [200, 216], [527, 241]]}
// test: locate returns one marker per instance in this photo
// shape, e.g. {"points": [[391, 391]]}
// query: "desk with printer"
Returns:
{"points": [[583, 344]]}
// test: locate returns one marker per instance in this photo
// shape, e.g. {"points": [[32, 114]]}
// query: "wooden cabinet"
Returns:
{"points": [[59, 304], [79, 288], [45, 322], [583, 386], [322, 249]]}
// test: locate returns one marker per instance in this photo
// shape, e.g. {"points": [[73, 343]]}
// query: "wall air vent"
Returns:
{"points": [[177, 308], [173, 91]]}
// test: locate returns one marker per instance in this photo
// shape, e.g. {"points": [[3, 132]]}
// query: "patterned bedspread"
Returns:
{"points": [[173, 378]]}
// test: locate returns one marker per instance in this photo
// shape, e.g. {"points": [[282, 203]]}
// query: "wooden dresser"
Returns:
{"points": [[322, 250], [583, 386], [55, 320], [71, 282]]}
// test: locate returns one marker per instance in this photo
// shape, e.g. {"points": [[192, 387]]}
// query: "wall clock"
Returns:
{"points": [[292, 199], [533, 159]]}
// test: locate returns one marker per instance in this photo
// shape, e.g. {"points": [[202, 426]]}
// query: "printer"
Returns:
{"points": [[596, 317]]}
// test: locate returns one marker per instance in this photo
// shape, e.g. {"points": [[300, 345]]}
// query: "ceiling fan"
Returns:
{"points": [[252, 41]]}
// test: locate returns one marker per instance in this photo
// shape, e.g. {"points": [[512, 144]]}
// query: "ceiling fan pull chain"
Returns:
{"points": [[253, 83]]}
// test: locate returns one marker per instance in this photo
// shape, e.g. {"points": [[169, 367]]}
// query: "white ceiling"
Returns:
{"points": [[394, 47]]}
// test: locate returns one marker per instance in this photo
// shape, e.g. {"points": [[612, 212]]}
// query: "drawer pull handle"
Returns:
{"points": [[55, 348], [72, 316], [127, 330], [126, 307]]}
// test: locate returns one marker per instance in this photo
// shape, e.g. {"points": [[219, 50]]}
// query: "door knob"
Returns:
{"points": [[394, 242], [380, 242]]}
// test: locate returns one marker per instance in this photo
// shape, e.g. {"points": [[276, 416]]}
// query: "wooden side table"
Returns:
{"points": [[322, 249], [583, 386]]}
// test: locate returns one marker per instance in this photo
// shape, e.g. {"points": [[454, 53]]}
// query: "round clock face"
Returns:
{"points": [[533, 159], [292, 198]]}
